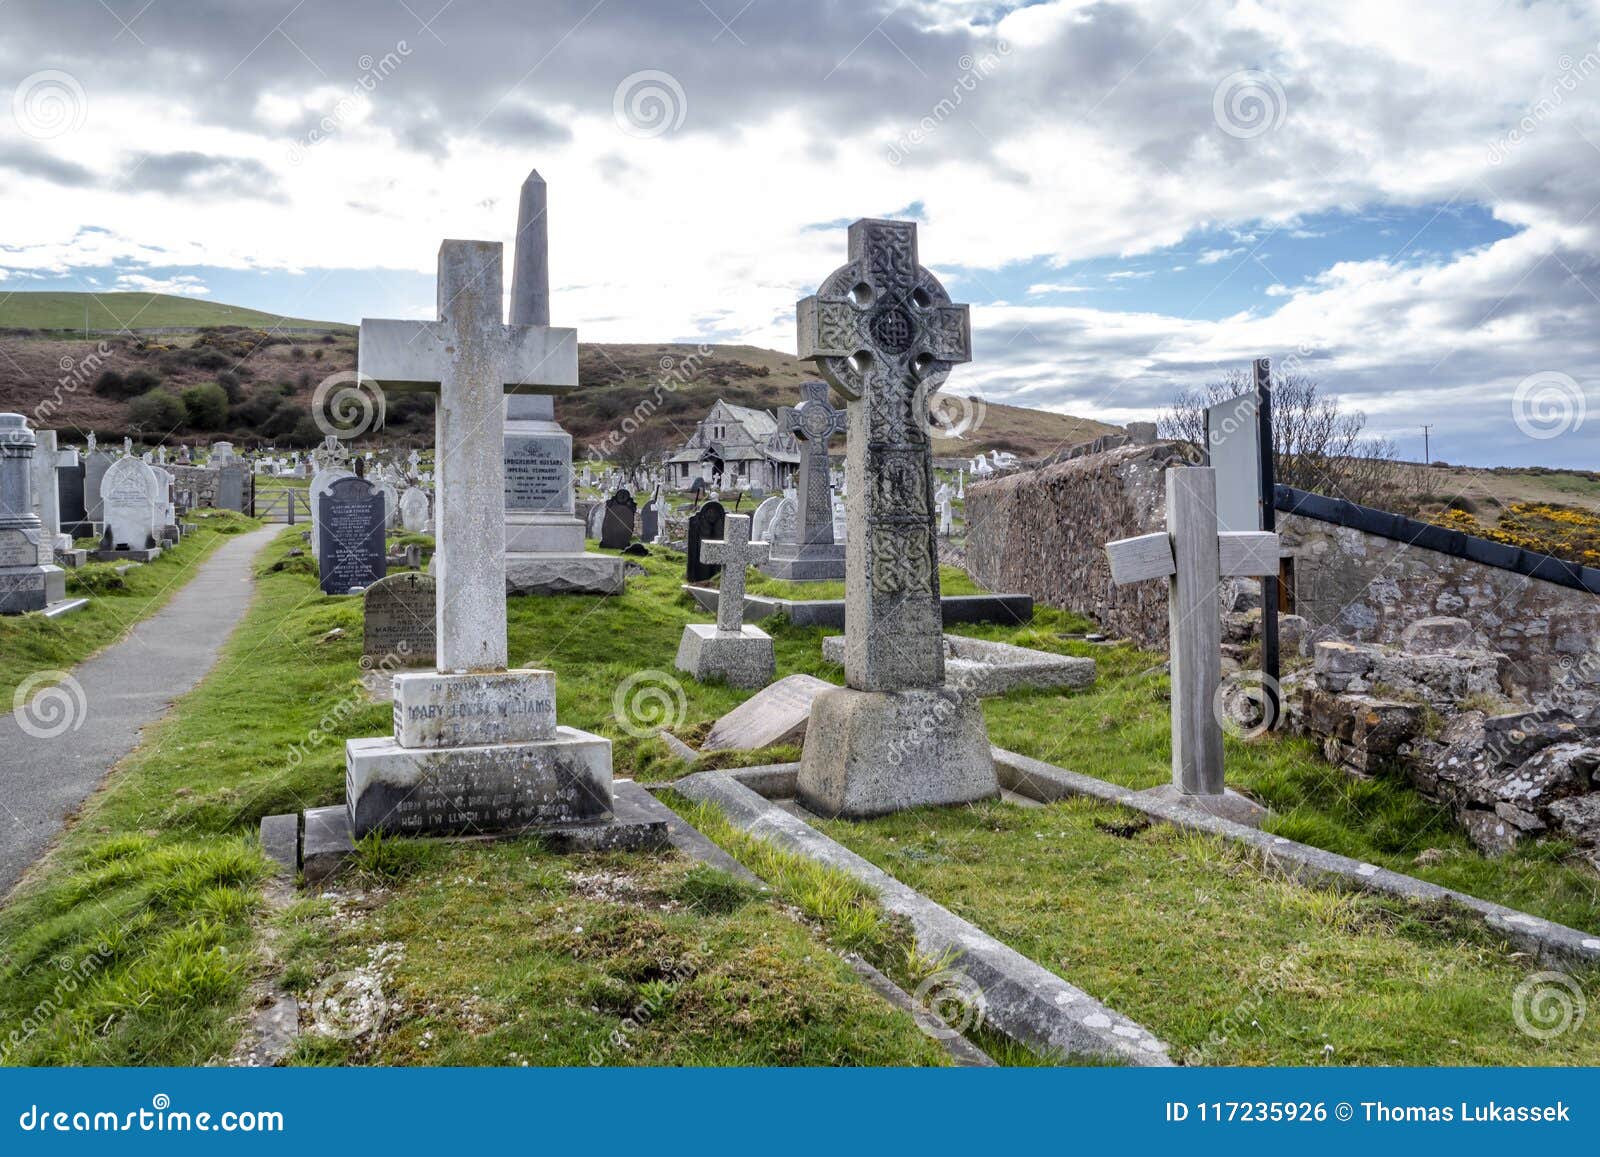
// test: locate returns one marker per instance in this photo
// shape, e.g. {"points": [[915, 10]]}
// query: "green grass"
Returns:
{"points": [[1184, 934], [32, 645], [952, 581], [136, 311], [477, 948]]}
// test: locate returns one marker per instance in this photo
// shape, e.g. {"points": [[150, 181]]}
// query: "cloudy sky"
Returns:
{"points": [[1401, 199]]}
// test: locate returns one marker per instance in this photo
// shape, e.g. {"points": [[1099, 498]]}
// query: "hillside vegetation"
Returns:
{"points": [[117, 311]]}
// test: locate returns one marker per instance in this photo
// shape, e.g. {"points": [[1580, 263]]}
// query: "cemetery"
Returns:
{"points": [[995, 786], [1084, 563]]}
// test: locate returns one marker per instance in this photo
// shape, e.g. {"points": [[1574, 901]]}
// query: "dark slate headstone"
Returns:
{"points": [[703, 524], [399, 621], [616, 531], [230, 486], [69, 491], [649, 522], [350, 524]]}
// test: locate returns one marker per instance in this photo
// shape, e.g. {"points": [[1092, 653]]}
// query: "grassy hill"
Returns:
{"points": [[115, 311], [655, 393]]}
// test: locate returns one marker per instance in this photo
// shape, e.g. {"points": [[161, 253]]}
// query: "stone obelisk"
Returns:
{"points": [[544, 537]]}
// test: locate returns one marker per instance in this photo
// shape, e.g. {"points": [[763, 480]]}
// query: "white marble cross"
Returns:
{"points": [[469, 357], [734, 551], [1194, 557]]}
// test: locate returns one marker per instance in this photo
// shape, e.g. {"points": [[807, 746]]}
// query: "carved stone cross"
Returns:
{"points": [[734, 551], [1194, 557], [812, 423], [470, 358], [884, 333]]}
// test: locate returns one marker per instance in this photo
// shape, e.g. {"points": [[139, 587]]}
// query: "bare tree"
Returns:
{"points": [[1316, 444], [635, 455]]}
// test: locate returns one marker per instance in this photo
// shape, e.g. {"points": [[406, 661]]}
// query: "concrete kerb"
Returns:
{"points": [[1550, 941], [1020, 998]]}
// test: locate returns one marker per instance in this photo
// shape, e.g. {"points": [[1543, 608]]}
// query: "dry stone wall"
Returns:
{"points": [[1042, 532]]}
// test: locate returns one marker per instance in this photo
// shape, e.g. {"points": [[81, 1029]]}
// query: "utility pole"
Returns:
{"points": [[1427, 458]]}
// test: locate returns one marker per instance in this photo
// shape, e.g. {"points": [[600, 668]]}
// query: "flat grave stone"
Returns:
{"points": [[776, 714]]}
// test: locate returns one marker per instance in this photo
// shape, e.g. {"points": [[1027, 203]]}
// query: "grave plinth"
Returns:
{"points": [[884, 333]]}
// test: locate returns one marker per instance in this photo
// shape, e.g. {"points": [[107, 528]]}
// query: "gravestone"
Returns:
{"points": [[597, 521], [29, 578], [414, 510], [131, 516], [761, 521], [705, 523], [811, 554], [232, 480], [1193, 555], [321, 482], [775, 714], [729, 650], [397, 621], [95, 464], [650, 519], [69, 491], [350, 520], [46, 496], [883, 332], [616, 531], [164, 490], [785, 521], [545, 548], [476, 747]]}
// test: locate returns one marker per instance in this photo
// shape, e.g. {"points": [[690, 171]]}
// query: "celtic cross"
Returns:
{"points": [[812, 423], [884, 333]]}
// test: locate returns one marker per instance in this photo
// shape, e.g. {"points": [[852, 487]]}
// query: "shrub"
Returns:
{"points": [[229, 381], [111, 385], [206, 406], [156, 411], [142, 382]]}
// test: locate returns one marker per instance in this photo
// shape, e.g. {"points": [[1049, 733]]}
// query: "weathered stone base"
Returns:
{"points": [[471, 790], [565, 574], [71, 558], [30, 588], [870, 753], [147, 554], [816, 563], [987, 668], [544, 534], [638, 824], [1230, 805], [744, 659]]}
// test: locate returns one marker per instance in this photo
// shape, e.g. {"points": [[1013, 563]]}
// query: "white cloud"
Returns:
{"points": [[183, 285]]}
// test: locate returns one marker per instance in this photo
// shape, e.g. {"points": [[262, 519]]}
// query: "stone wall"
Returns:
{"points": [[199, 481], [1042, 533], [1353, 584]]}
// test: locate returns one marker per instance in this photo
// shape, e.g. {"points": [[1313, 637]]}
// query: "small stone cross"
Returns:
{"points": [[470, 358], [734, 551], [1194, 557]]}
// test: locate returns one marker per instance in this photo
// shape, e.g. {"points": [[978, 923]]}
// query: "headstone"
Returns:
{"points": [[321, 482], [841, 521], [884, 333], [69, 492], [231, 483], [761, 521], [597, 520], [785, 526], [397, 620], [616, 531], [738, 654], [946, 517], [811, 554], [1192, 555], [46, 497], [476, 747], [704, 524], [777, 714], [29, 578], [350, 521], [544, 537], [128, 501], [650, 519], [391, 504], [95, 464], [414, 510]]}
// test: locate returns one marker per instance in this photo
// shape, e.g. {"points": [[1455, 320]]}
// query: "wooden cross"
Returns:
{"points": [[812, 423], [1194, 557], [884, 333], [470, 358], [734, 551]]}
